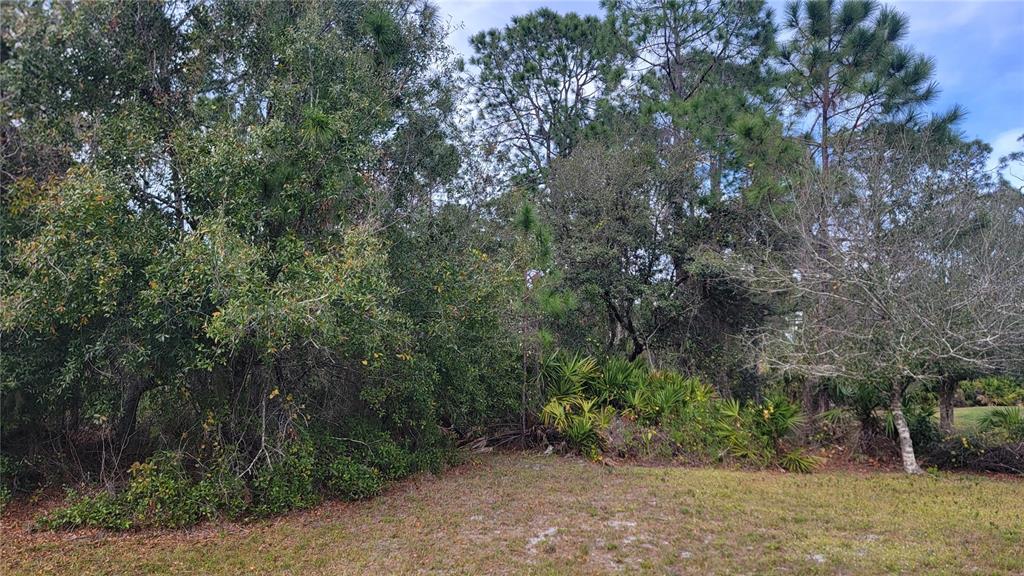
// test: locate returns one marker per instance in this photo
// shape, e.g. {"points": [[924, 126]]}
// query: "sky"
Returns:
{"points": [[978, 47]]}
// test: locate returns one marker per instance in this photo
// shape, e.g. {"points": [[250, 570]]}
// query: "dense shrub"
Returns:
{"points": [[7, 474], [159, 493], [619, 378], [756, 432], [101, 510], [632, 411], [171, 491], [349, 480], [580, 421], [310, 272], [976, 453], [692, 431], [288, 484], [993, 391], [366, 443]]}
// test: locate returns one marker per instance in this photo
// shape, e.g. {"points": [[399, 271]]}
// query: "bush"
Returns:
{"points": [[435, 458], [580, 421], [976, 453], [692, 431], [8, 471], [993, 391], [619, 378], [350, 480], [101, 510], [162, 492], [159, 493], [663, 413], [756, 432], [565, 376], [366, 443], [288, 484], [1005, 422]]}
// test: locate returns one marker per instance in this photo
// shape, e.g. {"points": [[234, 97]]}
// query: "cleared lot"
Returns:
{"points": [[515, 513]]}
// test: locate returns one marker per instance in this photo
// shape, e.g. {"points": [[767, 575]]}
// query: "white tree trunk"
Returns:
{"points": [[906, 444]]}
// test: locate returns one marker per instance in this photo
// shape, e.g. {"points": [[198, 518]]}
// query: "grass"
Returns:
{"points": [[519, 514], [968, 417]]}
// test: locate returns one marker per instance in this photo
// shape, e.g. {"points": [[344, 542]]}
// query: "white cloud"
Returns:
{"points": [[1003, 144]]}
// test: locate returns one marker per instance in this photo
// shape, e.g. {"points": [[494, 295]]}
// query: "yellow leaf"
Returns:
{"points": [[274, 392]]}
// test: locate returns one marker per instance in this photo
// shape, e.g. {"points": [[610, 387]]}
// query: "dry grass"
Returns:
{"points": [[516, 514]]}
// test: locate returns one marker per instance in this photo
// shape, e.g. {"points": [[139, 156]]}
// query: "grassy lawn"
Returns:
{"points": [[518, 514], [967, 417]]}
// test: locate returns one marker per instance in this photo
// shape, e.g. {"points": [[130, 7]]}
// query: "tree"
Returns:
{"points": [[704, 63], [210, 211], [918, 274], [540, 80], [611, 206], [848, 70]]}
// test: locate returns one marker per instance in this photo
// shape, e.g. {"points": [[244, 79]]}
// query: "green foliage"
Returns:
{"points": [[436, 458], [252, 242], [798, 461], [737, 428], [349, 480], [288, 484], [369, 445], [692, 431], [159, 493], [848, 68], [1008, 422], [103, 510], [987, 452], [919, 410], [241, 246], [541, 80], [566, 376], [993, 391], [8, 472], [756, 432], [580, 421], [664, 412], [663, 394], [619, 378]]}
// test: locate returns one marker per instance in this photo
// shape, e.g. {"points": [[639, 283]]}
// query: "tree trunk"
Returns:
{"points": [[716, 177], [826, 103], [638, 349], [129, 411], [906, 444], [946, 393], [809, 396]]}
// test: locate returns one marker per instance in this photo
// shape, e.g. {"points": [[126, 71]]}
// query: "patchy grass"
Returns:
{"points": [[517, 514]]}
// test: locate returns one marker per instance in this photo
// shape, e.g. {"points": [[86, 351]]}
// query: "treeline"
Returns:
{"points": [[299, 248]]}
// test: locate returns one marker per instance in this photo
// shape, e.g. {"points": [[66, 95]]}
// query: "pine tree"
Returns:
{"points": [[848, 69]]}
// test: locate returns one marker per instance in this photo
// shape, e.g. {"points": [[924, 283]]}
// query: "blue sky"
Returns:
{"points": [[978, 47]]}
